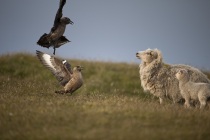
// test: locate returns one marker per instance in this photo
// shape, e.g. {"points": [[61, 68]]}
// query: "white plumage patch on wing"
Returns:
{"points": [[47, 60], [64, 61]]}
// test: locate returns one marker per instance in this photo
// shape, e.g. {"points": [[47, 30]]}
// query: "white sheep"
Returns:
{"points": [[191, 90], [158, 78]]}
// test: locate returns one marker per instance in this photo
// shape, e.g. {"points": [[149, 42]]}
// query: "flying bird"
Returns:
{"points": [[55, 38], [70, 79]]}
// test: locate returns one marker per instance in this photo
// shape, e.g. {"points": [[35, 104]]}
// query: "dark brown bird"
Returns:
{"points": [[55, 38], [70, 79]]}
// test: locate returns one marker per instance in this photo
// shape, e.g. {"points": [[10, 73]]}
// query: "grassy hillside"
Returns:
{"points": [[110, 105]]}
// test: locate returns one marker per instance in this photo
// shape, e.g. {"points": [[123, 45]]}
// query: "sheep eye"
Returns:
{"points": [[149, 53]]}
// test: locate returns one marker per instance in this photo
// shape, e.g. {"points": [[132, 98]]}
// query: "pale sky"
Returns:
{"points": [[112, 30]]}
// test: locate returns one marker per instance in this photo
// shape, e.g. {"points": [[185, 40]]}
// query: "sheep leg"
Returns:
{"points": [[187, 103], [202, 101], [161, 100], [203, 105]]}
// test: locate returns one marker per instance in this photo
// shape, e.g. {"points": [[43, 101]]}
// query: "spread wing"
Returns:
{"points": [[61, 41], [59, 15], [43, 41], [55, 66]]}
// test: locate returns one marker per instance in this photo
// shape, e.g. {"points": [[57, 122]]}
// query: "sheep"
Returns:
{"points": [[158, 78], [191, 90]]}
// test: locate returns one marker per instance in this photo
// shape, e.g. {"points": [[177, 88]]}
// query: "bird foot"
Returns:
{"points": [[60, 92], [54, 51]]}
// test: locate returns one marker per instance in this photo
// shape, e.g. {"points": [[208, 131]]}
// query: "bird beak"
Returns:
{"points": [[71, 22], [82, 68]]}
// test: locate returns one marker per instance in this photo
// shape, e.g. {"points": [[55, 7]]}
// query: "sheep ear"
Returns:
{"points": [[183, 71], [154, 53], [159, 54]]}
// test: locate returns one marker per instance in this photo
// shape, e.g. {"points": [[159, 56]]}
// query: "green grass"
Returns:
{"points": [[110, 105]]}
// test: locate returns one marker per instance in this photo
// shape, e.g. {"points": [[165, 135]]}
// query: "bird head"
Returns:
{"points": [[66, 20]]}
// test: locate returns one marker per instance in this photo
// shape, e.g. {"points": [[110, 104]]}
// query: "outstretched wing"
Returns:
{"points": [[43, 41], [61, 41], [55, 66], [59, 15]]}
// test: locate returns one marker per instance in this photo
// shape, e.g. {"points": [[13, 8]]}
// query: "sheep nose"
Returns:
{"points": [[137, 54]]}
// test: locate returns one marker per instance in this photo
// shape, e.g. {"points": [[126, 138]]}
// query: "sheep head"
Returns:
{"points": [[182, 74], [149, 55]]}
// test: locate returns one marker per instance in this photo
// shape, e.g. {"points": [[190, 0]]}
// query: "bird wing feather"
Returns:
{"points": [[56, 67], [59, 15]]}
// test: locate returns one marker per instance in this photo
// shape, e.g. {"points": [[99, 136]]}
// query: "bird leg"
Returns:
{"points": [[54, 51]]}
